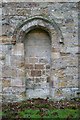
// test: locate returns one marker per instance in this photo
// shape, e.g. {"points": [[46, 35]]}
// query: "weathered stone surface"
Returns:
{"points": [[0, 85], [43, 60], [29, 66], [35, 73], [33, 60], [17, 82], [18, 49], [47, 66], [8, 72], [2, 56], [39, 66], [22, 11], [39, 50], [6, 83], [5, 40]]}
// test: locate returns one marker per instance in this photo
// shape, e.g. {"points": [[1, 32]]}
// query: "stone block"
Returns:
{"points": [[44, 72], [17, 57], [16, 62], [18, 49], [43, 60], [33, 60], [72, 50], [16, 82], [55, 55], [7, 71], [2, 56], [20, 73], [7, 90], [39, 66], [6, 83], [47, 66], [13, 72], [29, 66], [4, 49], [0, 102], [48, 72], [71, 71], [35, 11], [62, 84], [58, 92], [54, 49], [69, 92], [28, 72], [60, 73], [29, 83], [64, 53], [22, 11], [18, 89], [23, 94], [38, 93], [38, 80], [1, 86], [22, 65], [26, 59], [58, 64], [5, 40], [48, 79], [36, 73]]}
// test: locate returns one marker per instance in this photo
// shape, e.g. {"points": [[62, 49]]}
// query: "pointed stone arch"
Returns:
{"points": [[37, 22]]}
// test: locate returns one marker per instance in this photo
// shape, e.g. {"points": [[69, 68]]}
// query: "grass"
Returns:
{"points": [[50, 114], [41, 109]]}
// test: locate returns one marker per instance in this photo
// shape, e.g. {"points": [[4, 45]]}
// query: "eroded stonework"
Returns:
{"points": [[39, 50]]}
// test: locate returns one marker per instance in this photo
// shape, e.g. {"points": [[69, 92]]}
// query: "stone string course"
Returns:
{"points": [[52, 74]]}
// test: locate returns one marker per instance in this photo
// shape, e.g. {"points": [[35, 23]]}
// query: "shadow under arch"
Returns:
{"points": [[39, 27]]}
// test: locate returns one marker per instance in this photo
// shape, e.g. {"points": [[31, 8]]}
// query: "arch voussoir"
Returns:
{"points": [[37, 22]]}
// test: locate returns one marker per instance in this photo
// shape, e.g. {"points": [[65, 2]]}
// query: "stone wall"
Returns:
{"points": [[60, 22]]}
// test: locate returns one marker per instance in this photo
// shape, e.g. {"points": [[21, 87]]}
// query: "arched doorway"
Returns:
{"points": [[39, 64], [37, 51]]}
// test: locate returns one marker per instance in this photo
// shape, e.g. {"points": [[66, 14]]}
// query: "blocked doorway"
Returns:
{"points": [[37, 51]]}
